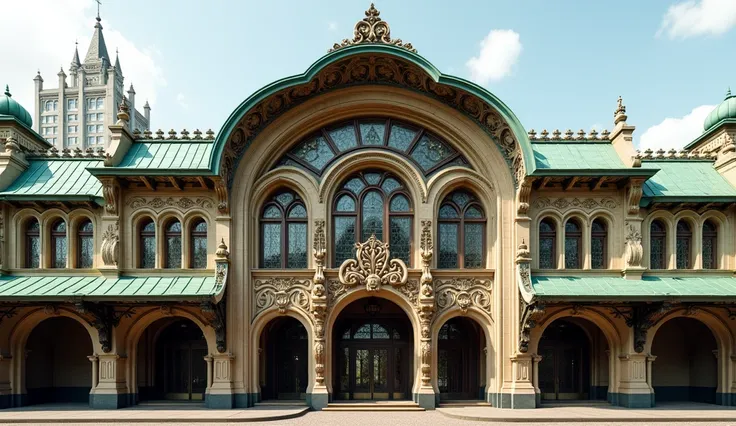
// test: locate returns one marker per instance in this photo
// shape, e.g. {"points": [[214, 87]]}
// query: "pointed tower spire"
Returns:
{"points": [[728, 93], [75, 59], [117, 62], [97, 49]]}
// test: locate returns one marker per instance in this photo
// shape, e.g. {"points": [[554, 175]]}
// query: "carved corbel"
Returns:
{"points": [[223, 206], [640, 319], [634, 194], [111, 192], [216, 314], [523, 194], [530, 313], [104, 319]]}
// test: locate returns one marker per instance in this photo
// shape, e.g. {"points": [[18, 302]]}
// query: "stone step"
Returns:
{"points": [[460, 404], [374, 406], [281, 403]]}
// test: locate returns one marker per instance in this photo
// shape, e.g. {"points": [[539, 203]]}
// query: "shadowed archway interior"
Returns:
{"points": [[285, 360], [459, 360]]}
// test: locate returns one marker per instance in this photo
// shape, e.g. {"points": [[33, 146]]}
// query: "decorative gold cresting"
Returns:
{"points": [[372, 29]]}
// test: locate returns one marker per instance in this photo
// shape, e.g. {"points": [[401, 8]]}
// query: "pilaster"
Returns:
{"points": [[110, 391], [220, 381], [634, 389]]}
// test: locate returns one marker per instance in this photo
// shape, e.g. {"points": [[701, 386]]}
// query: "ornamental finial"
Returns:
{"points": [[620, 113], [372, 29]]}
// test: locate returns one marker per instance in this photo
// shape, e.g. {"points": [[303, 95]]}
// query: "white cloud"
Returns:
{"points": [[675, 132], [332, 26], [499, 51], [182, 100], [49, 45], [693, 18]]}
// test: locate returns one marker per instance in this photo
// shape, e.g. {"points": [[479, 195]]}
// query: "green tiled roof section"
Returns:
{"points": [[686, 178], [54, 287], [601, 287], [56, 178], [190, 155], [576, 155]]}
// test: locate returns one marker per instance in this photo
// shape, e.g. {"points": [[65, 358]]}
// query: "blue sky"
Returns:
{"points": [[556, 63]]}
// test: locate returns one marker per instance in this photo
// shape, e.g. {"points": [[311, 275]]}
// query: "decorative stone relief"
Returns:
{"points": [[634, 250], [319, 300], [427, 249], [373, 267], [634, 193], [110, 245], [158, 203], [523, 193], [562, 204], [110, 191], [464, 293], [281, 292], [372, 29]]}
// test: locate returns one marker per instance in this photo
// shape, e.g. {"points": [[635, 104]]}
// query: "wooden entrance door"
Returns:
{"points": [[564, 371]]}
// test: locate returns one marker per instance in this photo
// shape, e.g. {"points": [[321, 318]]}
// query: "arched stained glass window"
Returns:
{"points": [[684, 245], [461, 231], [33, 244], [427, 151], [85, 244], [372, 203], [657, 245], [547, 244], [198, 253], [710, 245], [599, 244], [147, 254], [58, 244], [573, 246], [284, 232], [172, 236]]}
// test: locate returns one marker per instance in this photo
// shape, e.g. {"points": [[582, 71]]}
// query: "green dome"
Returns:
{"points": [[727, 109]]}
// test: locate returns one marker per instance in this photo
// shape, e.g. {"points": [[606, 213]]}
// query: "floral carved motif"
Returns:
{"points": [[634, 250], [372, 29], [110, 243], [464, 293], [373, 267], [281, 292], [158, 203], [568, 203]]}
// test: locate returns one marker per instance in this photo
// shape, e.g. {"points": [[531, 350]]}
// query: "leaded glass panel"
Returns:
{"points": [[344, 239], [297, 246], [285, 198], [148, 252], [298, 212], [656, 256], [400, 204], [86, 251], [448, 212], [316, 152], [390, 185], [363, 332], [355, 185], [400, 238], [461, 198], [708, 253], [60, 248], [372, 178], [199, 252], [173, 252], [546, 253], [429, 151], [372, 133], [473, 213], [473, 250], [272, 245], [597, 252], [372, 212], [272, 212], [379, 331], [401, 137], [345, 203], [448, 239], [344, 137], [683, 253], [34, 252], [572, 253]]}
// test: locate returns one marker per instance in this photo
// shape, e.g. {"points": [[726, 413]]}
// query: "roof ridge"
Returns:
{"points": [[674, 154], [557, 135], [183, 135]]}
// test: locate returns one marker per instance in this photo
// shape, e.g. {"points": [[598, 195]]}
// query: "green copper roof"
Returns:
{"points": [[683, 180], [8, 106], [726, 110], [168, 155], [576, 155], [602, 287], [90, 288], [57, 178]]}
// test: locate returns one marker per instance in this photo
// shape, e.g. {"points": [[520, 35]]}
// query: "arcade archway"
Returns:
{"points": [[460, 359], [285, 360]]}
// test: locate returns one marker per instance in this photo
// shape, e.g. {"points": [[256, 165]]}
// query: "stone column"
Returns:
{"points": [[95, 369], [536, 359], [426, 309], [220, 381], [635, 390], [320, 397], [523, 391], [111, 389]]}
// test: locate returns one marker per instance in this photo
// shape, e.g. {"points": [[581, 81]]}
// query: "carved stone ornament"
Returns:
{"points": [[634, 249], [159, 203], [282, 293], [563, 204], [372, 29], [464, 293], [373, 266], [427, 250], [634, 194], [110, 244], [110, 191]]}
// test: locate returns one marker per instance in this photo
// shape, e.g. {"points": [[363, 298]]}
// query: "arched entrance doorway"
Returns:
{"points": [[286, 361], [171, 363], [574, 364], [57, 368], [372, 351], [685, 367], [459, 359]]}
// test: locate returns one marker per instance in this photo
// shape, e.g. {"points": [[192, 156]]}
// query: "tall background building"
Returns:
{"points": [[77, 113]]}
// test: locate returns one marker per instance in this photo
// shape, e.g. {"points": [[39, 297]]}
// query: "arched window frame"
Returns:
{"points": [[358, 213], [599, 238], [549, 237], [460, 221], [59, 244], [286, 223], [172, 244], [85, 238], [710, 244], [198, 235], [683, 244], [658, 237], [32, 237], [146, 234], [573, 244]]}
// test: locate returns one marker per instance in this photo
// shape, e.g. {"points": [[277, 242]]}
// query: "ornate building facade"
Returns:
{"points": [[370, 229]]}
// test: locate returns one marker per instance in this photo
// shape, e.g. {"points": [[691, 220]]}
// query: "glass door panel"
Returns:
{"points": [[362, 388], [380, 373], [199, 373]]}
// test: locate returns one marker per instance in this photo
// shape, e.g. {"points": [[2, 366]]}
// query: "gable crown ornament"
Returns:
{"points": [[373, 267], [372, 29]]}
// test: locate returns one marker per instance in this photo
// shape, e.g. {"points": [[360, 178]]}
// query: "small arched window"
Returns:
{"points": [[598, 245], [58, 244], [100, 103], [85, 245], [461, 233], [547, 244], [284, 232], [172, 234], [147, 258], [683, 249], [573, 239], [199, 244], [710, 245], [657, 245], [33, 244]]}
